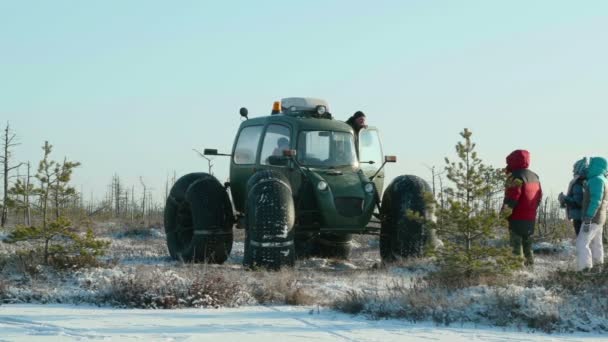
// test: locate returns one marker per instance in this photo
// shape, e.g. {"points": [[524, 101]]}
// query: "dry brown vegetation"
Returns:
{"points": [[137, 272]]}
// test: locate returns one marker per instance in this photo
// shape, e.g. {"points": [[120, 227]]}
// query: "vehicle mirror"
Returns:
{"points": [[277, 160], [390, 159], [210, 152], [244, 112]]}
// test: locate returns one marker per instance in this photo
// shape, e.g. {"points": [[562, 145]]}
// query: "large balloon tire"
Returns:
{"points": [[269, 218], [199, 219], [401, 235]]}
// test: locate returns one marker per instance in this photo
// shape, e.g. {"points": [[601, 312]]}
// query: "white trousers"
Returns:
{"points": [[589, 247]]}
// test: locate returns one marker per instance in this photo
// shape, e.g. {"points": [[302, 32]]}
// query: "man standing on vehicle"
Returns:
{"points": [[523, 194], [357, 122]]}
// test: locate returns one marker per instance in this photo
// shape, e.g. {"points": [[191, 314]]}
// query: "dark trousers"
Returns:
{"points": [[522, 246], [577, 225]]}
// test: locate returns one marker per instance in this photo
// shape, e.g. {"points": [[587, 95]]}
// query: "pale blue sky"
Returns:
{"points": [[130, 87]]}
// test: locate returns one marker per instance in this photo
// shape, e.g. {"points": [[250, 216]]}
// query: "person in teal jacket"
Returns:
{"points": [[573, 199], [589, 245]]}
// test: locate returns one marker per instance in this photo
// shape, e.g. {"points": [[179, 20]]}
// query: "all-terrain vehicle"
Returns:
{"points": [[300, 185]]}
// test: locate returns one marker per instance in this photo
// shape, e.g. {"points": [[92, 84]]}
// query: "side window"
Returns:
{"points": [[275, 141], [370, 148], [247, 145]]}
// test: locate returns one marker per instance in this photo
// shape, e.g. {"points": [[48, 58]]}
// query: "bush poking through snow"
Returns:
{"points": [[352, 303], [578, 282], [168, 290], [3, 290], [280, 288], [457, 270], [533, 307], [58, 244], [138, 233]]}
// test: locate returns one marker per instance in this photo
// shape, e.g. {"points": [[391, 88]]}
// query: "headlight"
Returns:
{"points": [[322, 185], [369, 188], [321, 110]]}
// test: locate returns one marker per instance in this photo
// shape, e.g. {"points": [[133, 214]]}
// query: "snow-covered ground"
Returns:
{"points": [[32, 322], [31, 311]]}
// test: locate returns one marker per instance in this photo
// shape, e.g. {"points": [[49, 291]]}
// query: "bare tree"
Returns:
{"points": [[437, 177], [26, 197], [8, 142], [132, 203], [21, 191], [209, 160], [117, 189], [144, 199]]}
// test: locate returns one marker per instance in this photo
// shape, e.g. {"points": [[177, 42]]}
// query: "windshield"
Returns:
{"points": [[326, 149]]}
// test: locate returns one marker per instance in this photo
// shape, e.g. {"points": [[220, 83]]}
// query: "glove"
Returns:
{"points": [[586, 226], [562, 200]]}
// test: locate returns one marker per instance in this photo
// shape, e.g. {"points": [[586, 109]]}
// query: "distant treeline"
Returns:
{"points": [[35, 195]]}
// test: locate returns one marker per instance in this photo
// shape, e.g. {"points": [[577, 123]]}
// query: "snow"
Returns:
{"points": [[32, 322], [470, 311]]}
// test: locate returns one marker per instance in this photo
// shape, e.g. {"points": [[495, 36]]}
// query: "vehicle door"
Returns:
{"points": [[277, 138], [371, 156], [244, 157]]}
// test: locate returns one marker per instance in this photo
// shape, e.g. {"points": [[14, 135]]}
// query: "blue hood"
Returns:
{"points": [[597, 166]]}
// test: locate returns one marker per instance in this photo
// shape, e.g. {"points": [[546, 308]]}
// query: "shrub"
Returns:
{"points": [[352, 303], [577, 282], [167, 290], [3, 290], [459, 269], [535, 308], [59, 245], [281, 287], [137, 233], [27, 262]]}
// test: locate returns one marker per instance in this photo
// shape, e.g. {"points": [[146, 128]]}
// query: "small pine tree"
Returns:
{"points": [[470, 218], [57, 239], [60, 241], [60, 189], [54, 180]]}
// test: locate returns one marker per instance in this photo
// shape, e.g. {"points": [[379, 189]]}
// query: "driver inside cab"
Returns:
{"points": [[282, 144]]}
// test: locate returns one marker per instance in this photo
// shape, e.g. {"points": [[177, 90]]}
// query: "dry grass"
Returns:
{"points": [[454, 280], [352, 303], [30, 262], [282, 287], [3, 289], [577, 282], [442, 306], [163, 289], [408, 289]]}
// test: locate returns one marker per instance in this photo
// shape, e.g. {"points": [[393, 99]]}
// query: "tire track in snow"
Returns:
{"points": [[37, 328], [310, 324]]}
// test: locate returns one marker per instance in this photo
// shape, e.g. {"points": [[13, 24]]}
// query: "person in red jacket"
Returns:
{"points": [[523, 194]]}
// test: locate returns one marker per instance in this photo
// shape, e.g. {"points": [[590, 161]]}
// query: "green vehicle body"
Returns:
{"points": [[301, 183], [346, 182]]}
